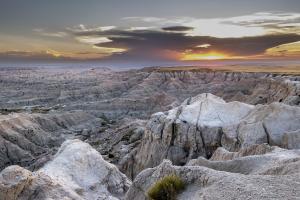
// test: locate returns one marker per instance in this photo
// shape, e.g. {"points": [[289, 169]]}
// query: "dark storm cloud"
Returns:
{"points": [[177, 28], [149, 44]]}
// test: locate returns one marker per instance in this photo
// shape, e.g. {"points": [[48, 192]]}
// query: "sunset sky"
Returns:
{"points": [[156, 30]]}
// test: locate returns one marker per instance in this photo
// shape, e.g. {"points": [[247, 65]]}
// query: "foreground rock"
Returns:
{"points": [[76, 172], [203, 123], [256, 159], [19, 183], [273, 174]]}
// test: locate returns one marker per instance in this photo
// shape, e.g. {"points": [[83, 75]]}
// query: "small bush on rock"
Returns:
{"points": [[166, 189]]}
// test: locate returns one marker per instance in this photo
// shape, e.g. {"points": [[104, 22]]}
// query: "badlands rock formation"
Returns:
{"points": [[234, 136], [30, 140], [255, 159], [76, 172], [273, 173], [203, 123], [137, 93]]}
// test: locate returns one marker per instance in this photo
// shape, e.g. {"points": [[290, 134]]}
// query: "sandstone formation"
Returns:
{"points": [[76, 172]]}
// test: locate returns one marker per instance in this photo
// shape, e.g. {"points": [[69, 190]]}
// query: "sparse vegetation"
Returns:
{"points": [[167, 188], [105, 120], [292, 70]]}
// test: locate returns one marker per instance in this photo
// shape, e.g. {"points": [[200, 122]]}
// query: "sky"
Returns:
{"points": [[156, 31]]}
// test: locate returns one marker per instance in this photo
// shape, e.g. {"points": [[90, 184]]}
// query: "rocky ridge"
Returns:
{"points": [[30, 140], [136, 93], [203, 123]]}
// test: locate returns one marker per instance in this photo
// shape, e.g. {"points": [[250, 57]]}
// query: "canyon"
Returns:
{"points": [[98, 133]]}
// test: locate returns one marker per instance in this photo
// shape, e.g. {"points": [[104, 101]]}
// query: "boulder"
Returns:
{"points": [[267, 124], [80, 167], [77, 172], [17, 183]]}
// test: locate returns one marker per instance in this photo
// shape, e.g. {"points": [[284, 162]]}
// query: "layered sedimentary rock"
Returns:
{"points": [[79, 172], [30, 140], [115, 95], [137, 93], [117, 142], [213, 142], [256, 159], [203, 123], [76, 172], [256, 172]]}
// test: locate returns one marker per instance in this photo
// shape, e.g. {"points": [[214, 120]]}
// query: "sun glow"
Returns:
{"points": [[204, 56]]}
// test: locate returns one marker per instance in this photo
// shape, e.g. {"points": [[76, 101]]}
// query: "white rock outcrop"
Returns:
{"points": [[77, 172], [210, 111], [259, 159], [17, 183], [83, 169], [257, 172], [203, 123]]}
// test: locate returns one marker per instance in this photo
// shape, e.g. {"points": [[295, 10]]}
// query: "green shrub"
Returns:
{"points": [[166, 188]]}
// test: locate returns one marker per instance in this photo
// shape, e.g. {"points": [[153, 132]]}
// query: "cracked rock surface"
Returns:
{"points": [[257, 172], [203, 123]]}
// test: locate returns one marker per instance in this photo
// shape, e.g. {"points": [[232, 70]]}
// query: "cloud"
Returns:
{"points": [[264, 19], [92, 40], [163, 39], [82, 28], [271, 22], [41, 55], [145, 19], [42, 32], [240, 26], [203, 46], [177, 28], [290, 49], [50, 54], [154, 44]]}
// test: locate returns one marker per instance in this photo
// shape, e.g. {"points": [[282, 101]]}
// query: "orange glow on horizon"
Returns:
{"points": [[204, 56]]}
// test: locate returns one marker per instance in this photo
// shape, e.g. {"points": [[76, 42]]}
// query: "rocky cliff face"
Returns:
{"points": [[203, 123]]}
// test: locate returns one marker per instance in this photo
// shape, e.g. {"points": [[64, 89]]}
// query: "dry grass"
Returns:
{"points": [[167, 188]]}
